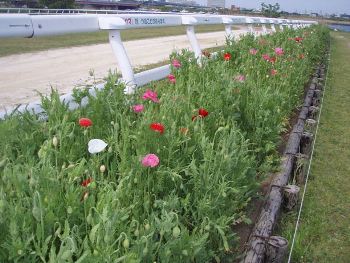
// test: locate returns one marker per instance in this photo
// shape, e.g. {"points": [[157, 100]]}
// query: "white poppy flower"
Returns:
{"points": [[96, 146]]}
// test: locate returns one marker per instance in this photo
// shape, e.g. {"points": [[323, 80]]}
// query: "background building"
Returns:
{"points": [[182, 2], [216, 3]]}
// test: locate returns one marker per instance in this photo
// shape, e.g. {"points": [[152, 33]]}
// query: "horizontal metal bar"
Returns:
{"points": [[26, 25], [141, 78], [155, 74]]}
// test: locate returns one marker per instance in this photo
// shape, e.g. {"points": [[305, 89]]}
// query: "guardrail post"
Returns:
{"points": [[273, 27], [281, 27], [193, 41], [122, 60], [251, 30], [228, 31], [264, 28]]}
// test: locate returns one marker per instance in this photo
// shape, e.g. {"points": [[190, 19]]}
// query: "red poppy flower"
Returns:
{"points": [[157, 127], [203, 113], [227, 56], [272, 59], [266, 57], [85, 122], [298, 39], [86, 182], [301, 56], [194, 117]]}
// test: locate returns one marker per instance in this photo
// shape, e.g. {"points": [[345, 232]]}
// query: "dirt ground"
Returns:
{"points": [[22, 76]]}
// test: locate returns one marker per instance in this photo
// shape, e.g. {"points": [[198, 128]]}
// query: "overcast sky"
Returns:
{"points": [[324, 6]]}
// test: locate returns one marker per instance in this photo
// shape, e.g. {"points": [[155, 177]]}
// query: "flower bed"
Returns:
{"points": [[161, 175]]}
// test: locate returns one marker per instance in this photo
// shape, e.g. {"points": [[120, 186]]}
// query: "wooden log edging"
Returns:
{"points": [[260, 237]]}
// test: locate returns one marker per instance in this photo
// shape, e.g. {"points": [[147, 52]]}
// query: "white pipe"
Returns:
{"points": [[122, 60], [228, 31], [193, 41], [273, 27], [251, 30]]}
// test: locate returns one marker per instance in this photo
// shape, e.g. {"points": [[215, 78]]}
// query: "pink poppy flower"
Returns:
{"points": [[240, 78], [253, 51], [150, 95], [273, 72], [176, 63], [138, 108], [279, 51], [150, 160], [172, 78], [266, 57]]}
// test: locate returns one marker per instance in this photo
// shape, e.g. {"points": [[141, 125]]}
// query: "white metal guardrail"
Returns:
{"points": [[28, 26], [48, 11]]}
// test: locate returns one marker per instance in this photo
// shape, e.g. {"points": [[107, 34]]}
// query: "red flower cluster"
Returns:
{"points": [[202, 113], [298, 39], [157, 127], [85, 122], [268, 58], [272, 59], [227, 56], [86, 182]]}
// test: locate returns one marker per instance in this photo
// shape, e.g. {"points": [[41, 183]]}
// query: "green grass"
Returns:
{"points": [[324, 233], [22, 45]]}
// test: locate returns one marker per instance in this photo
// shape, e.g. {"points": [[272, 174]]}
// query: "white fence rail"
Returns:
{"points": [[28, 26]]}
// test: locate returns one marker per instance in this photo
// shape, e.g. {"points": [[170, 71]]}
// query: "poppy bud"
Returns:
{"points": [[176, 232], [126, 243], [54, 141]]}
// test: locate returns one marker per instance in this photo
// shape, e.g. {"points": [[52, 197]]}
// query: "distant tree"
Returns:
{"points": [[57, 4], [165, 8], [269, 10]]}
